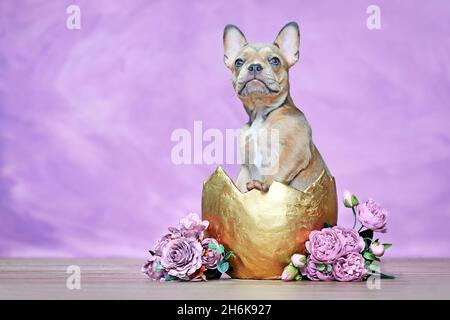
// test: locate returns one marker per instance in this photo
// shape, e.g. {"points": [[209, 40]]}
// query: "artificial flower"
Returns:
{"points": [[181, 257], [349, 267], [350, 239], [350, 199], [153, 268], [298, 260], [372, 216], [211, 255], [289, 273], [317, 271], [325, 245], [377, 249], [192, 226]]}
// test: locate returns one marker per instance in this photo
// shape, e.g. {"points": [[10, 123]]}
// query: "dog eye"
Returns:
{"points": [[274, 61], [239, 63]]}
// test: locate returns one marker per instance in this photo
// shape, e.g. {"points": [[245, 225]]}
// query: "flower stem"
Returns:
{"points": [[354, 214]]}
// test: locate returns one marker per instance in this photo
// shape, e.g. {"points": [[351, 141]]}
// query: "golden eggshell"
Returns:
{"points": [[264, 229]]}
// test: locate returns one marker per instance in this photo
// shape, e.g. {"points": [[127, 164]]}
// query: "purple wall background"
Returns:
{"points": [[86, 116]]}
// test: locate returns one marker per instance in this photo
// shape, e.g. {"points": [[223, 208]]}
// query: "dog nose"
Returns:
{"points": [[255, 68]]}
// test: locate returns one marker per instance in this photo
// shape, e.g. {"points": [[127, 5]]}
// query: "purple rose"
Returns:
{"points": [[181, 257], [372, 216], [310, 270], [153, 268], [192, 226], [210, 256], [349, 267], [351, 240], [324, 246], [173, 234]]}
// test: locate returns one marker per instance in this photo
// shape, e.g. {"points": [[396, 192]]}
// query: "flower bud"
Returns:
{"points": [[289, 273], [350, 200], [377, 249], [298, 260]]}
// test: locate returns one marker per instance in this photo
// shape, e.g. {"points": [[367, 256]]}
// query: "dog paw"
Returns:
{"points": [[259, 185]]}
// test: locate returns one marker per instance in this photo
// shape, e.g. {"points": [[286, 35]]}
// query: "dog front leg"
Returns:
{"points": [[243, 178]]}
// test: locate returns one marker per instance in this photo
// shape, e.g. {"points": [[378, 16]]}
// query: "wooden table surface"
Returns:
{"points": [[121, 279]]}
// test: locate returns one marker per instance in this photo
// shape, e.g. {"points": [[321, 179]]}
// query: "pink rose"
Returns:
{"points": [[351, 240], [181, 257], [313, 273], [372, 216], [349, 267], [324, 246]]}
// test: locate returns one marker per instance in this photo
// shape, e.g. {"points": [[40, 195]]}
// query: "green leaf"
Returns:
{"points": [[355, 200], [223, 266], [212, 246], [387, 245], [221, 249], [159, 267], [327, 225], [374, 267], [329, 268], [320, 266], [298, 277], [368, 242], [366, 234], [368, 255], [212, 274], [347, 203], [227, 255], [386, 276], [169, 278]]}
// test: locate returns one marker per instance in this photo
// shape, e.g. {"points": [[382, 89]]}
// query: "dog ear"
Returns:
{"points": [[288, 40], [233, 41]]}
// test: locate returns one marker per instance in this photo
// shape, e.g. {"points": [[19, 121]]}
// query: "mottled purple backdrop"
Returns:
{"points": [[86, 115]]}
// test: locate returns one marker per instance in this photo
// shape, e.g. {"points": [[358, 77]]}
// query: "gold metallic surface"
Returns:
{"points": [[265, 229]]}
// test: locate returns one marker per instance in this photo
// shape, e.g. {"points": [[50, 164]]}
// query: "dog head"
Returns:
{"points": [[260, 71]]}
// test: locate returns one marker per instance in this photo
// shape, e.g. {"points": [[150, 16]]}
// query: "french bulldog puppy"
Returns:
{"points": [[261, 81]]}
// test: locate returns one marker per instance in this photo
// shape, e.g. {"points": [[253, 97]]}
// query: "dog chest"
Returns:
{"points": [[258, 142]]}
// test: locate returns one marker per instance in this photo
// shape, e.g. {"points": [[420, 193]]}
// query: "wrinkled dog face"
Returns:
{"points": [[260, 71]]}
